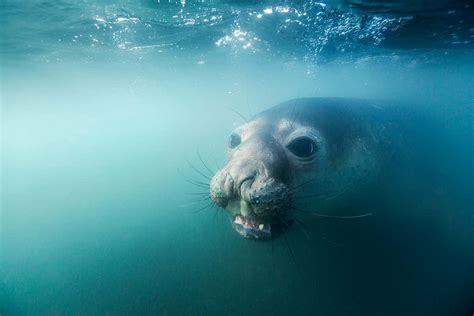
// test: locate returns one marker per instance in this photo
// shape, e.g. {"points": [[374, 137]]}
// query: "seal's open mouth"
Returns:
{"points": [[252, 228]]}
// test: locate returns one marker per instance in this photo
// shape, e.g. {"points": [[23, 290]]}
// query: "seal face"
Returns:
{"points": [[314, 147]]}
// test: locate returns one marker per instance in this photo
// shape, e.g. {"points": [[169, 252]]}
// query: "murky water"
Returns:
{"points": [[106, 105]]}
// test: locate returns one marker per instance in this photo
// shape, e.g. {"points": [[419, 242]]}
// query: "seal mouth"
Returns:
{"points": [[258, 229], [252, 228]]}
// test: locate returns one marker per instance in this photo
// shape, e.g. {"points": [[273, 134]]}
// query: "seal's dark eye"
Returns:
{"points": [[234, 140], [302, 147]]}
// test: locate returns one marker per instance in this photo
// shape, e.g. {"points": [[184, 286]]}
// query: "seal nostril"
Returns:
{"points": [[248, 180]]}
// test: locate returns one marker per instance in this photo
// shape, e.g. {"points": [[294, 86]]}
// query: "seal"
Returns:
{"points": [[322, 152], [407, 163]]}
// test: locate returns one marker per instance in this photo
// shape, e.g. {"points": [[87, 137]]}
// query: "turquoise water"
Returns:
{"points": [[104, 106]]}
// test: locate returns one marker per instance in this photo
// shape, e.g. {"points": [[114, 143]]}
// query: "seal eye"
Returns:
{"points": [[302, 147], [234, 140]]}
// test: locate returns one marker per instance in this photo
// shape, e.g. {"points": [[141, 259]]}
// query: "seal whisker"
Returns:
{"points": [[302, 197], [292, 118], [303, 228], [216, 211], [192, 181], [192, 203], [285, 223], [292, 255], [196, 170], [197, 193], [239, 114], [205, 165], [301, 184], [319, 196], [201, 183], [197, 183], [204, 207], [248, 105], [332, 216], [203, 199]]}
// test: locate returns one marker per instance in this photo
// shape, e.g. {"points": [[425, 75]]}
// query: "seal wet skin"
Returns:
{"points": [[325, 150]]}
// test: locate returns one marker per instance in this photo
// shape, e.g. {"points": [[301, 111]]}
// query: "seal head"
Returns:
{"points": [[304, 146]]}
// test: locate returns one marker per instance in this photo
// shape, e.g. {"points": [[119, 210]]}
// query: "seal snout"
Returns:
{"points": [[254, 200], [225, 186]]}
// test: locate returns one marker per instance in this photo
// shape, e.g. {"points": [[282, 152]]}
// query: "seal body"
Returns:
{"points": [[327, 155]]}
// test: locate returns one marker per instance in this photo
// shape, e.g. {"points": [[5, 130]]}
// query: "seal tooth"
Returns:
{"points": [[244, 208]]}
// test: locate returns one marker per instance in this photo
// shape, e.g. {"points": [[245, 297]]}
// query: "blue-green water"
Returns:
{"points": [[103, 104]]}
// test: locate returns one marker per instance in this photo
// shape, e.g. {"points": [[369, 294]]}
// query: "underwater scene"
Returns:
{"points": [[224, 157]]}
